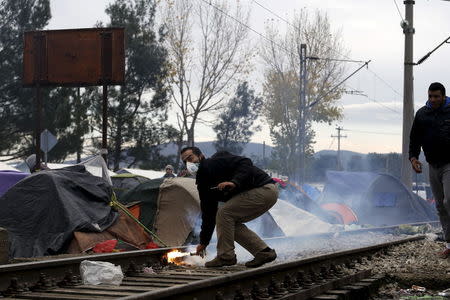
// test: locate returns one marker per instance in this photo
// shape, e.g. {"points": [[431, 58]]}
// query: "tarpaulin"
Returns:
{"points": [[10, 178], [42, 211]]}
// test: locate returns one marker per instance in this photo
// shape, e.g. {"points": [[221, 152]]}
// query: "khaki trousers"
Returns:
{"points": [[440, 185], [242, 208]]}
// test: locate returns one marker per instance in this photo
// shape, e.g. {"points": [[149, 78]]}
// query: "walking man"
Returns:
{"points": [[431, 131], [247, 193]]}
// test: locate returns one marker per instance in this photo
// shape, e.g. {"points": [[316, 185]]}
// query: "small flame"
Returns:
{"points": [[174, 254]]}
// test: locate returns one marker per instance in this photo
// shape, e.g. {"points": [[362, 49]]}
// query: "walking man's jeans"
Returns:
{"points": [[242, 208], [440, 185]]}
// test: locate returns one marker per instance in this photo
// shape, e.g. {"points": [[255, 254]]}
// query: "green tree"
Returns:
{"points": [[290, 120], [16, 102], [138, 109], [66, 117], [234, 127]]}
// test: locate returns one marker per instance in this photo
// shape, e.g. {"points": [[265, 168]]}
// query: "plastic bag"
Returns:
{"points": [[100, 272]]}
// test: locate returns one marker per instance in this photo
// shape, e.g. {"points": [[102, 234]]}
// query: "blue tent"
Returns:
{"points": [[376, 198], [9, 178]]}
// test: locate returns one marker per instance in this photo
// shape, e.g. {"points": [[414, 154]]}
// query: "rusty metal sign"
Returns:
{"points": [[74, 57]]}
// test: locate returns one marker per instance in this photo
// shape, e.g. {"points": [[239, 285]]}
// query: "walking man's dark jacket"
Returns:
{"points": [[222, 167], [431, 131]]}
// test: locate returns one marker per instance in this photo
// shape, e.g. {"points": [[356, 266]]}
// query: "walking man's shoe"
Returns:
{"points": [[261, 258], [220, 262], [445, 253]]}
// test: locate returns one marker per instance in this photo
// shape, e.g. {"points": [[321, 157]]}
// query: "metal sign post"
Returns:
{"points": [[74, 57], [106, 77], [48, 141], [38, 77]]}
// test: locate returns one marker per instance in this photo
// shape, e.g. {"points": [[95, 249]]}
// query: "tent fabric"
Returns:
{"points": [[265, 226], [6, 167], [311, 191], [342, 211], [169, 207], [300, 199], [9, 179], [124, 229], [42, 211], [294, 221], [151, 174], [376, 198], [147, 193], [125, 182], [178, 210]]}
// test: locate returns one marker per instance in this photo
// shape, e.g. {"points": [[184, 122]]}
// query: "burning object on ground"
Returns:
{"points": [[184, 258]]}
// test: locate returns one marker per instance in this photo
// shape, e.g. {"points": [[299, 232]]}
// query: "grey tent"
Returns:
{"points": [[376, 198]]}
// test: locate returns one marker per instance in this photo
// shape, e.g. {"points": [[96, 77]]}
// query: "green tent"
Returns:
{"points": [[125, 182], [170, 207]]}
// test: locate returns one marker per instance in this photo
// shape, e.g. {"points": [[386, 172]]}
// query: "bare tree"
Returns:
{"points": [[288, 116], [208, 52]]}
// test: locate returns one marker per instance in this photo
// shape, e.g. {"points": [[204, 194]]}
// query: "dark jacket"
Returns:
{"points": [[431, 131], [222, 167]]}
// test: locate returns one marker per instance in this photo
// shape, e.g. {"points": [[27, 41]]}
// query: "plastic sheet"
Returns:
{"points": [[100, 272]]}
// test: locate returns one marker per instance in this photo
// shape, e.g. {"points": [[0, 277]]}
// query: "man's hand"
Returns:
{"points": [[227, 185], [200, 250], [416, 165]]}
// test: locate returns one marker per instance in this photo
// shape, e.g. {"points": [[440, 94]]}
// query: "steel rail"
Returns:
{"points": [[245, 280], [59, 267], [159, 286]]}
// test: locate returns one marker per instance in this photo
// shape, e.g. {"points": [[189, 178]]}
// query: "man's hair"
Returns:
{"points": [[195, 150], [437, 86]]}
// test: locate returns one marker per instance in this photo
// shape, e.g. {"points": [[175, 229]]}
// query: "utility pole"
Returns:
{"points": [[339, 136], [408, 91], [264, 154], [302, 115]]}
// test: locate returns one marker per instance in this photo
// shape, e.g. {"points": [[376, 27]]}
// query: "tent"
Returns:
{"points": [[6, 167], [9, 179], [42, 211], [169, 207], [298, 197], [125, 182], [151, 174], [285, 219], [376, 198]]}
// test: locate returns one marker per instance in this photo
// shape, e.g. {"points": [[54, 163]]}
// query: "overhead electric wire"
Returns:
{"points": [[334, 50], [376, 101], [297, 28], [289, 52], [337, 85], [247, 26], [383, 81], [282, 47], [385, 106], [331, 144], [372, 132], [398, 9]]}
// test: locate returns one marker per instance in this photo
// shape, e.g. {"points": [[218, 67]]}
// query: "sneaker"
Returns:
{"points": [[444, 254], [261, 258], [220, 262]]}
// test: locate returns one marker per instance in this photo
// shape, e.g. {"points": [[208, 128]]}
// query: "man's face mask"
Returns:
{"points": [[192, 168]]}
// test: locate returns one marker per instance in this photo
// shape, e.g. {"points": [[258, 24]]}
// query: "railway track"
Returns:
{"points": [[299, 279]]}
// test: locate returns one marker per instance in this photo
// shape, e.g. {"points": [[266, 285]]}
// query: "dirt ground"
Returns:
{"points": [[413, 271]]}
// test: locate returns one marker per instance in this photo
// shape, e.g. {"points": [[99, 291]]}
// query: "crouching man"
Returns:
{"points": [[248, 192]]}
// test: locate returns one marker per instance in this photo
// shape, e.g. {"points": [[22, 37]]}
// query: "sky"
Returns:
{"points": [[370, 30]]}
